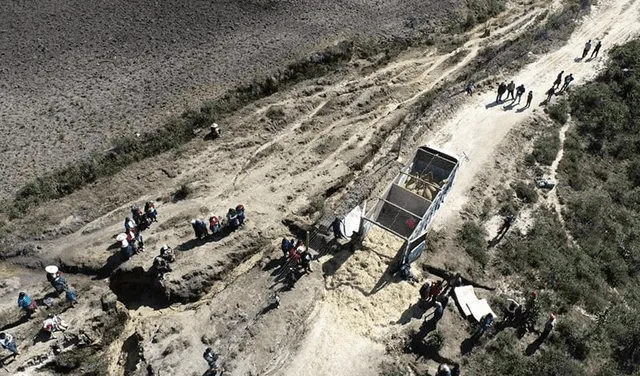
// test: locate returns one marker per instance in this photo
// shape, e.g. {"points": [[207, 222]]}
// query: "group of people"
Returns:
{"points": [[234, 219], [130, 241], [60, 284], [587, 48], [52, 323], [556, 89], [298, 260], [512, 92], [436, 294]]}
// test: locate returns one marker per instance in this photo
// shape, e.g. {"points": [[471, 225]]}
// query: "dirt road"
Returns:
{"points": [[288, 150]]}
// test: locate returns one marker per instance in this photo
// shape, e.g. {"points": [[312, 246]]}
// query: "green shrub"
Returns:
{"points": [[545, 148], [471, 237], [526, 192], [559, 111]]}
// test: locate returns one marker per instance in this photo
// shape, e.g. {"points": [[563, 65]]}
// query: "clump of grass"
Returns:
{"points": [[183, 191]]}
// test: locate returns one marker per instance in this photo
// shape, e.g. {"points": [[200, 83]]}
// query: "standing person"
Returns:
{"points": [[531, 312], [510, 88], [596, 49], [549, 325], [336, 228], [8, 342], [439, 311], [550, 94], [558, 81], [485, 322], [529, 98], [587, 47], [469, 87], [519, 92], [501, 89], [27, 304], [567, 81], [513, 311]]}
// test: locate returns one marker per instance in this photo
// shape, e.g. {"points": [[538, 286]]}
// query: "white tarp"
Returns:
{"points": [[480, 308], [464, 296], [351, 222]]}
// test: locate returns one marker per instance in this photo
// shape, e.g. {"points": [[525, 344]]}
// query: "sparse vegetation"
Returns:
{"points": [[546, 147], [599, 270], [184, 191], [472, 238]]}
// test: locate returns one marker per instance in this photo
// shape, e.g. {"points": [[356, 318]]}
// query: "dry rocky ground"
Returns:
{"points": [[326, 144]]}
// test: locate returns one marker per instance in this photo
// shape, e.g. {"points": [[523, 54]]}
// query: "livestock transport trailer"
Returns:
{"points": [[409, 204]]}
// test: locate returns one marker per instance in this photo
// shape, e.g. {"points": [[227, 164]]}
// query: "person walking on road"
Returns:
{"points": [[519, 92], [510, 88], [558, 81], [501, 89], [596, 50], [567, 81], [587, 47], [529, 99]]}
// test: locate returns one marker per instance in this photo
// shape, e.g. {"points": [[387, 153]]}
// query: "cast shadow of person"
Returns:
{"points": [[535, 345], [468, 344], [493, 104], [510, 106], [414, 311], [113, 262]]}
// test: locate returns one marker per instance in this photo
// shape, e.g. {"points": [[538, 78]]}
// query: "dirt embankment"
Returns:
{"points": [[75, 73]]}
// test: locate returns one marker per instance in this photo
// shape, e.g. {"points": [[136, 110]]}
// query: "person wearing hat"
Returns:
{"points": [[55, 278], [199, 227], [8, 342], [126, 249], [215, 130], [26, 304]]}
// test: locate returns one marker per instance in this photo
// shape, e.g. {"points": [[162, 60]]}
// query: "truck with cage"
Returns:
{"points": [[410, 202]]}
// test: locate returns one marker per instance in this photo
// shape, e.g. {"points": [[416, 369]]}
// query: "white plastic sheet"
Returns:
{"points": [[351, 222]]}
